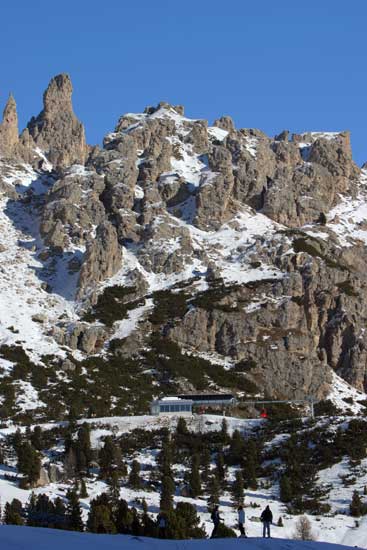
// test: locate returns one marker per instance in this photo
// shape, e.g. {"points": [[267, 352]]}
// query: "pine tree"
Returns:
{"points": [[237, 449], [224, 432], [165, 458], [167, 490], [250, 465], [237, 490], [214, 489], [205, 464], [114, 491], [81, 459], [194, 478], [280, 522], [37, 438], [136, 526], [85, 448], [134, 476], [220, 470], [123, 517], [107, 455], [40, 511], [30, 509], [100, 519], [17, 440], [74, 512], [356, 507], [83, 489], [109, 458], [13, 513], [181, 428], [184, 523], [29, 462], [286, 493], [149, 526], [188, 514], [59, 514], [75, 410]]}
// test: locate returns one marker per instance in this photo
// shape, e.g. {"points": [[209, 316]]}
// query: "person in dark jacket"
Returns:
{"points": [[267, 518], [215, 519], [241, 520]]}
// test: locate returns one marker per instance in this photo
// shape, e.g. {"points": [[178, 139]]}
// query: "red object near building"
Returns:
{"points": [[264, 414]]}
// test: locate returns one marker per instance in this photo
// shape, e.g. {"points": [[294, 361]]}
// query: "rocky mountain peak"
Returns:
{"points": [[149, 110], [9, 127], [56, 130]]}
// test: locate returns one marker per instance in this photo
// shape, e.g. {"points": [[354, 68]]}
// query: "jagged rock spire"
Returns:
{"points": [[10, 116], [56, 129], [9, 128], [57, 96]]}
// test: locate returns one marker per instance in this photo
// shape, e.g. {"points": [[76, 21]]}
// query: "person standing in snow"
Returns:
{"points": [[215, 519], [267, 518], [162, 525], [241, 521]]}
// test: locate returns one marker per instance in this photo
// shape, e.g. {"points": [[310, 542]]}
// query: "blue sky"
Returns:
{"points": [[272, 65]]}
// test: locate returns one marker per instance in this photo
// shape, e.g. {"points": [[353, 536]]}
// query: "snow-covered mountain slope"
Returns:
{"points": [[27, 311]]}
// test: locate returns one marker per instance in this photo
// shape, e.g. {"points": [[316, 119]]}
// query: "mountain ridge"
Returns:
{"points": [[175, 243]]}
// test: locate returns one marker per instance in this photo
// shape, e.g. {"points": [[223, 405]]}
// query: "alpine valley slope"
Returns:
{"points": [[180, 256]]}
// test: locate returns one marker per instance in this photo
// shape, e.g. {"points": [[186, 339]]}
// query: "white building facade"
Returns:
{"points": [[171, 405]]}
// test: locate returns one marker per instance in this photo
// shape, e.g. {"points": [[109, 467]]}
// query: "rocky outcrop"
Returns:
{"points": [[56, 130], [292, 182], [43, 478], [81, 336], [226, 123], [118, 165], [214, 197], [198, 136], [72, 209], [103, 257], [55, 473], [168, 248]]}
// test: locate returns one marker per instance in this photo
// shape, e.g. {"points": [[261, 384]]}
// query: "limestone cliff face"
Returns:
{"points": [[56, 130]]}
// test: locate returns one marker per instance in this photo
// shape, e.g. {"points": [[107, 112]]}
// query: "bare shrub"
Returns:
{"points": [[303, 529]]}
